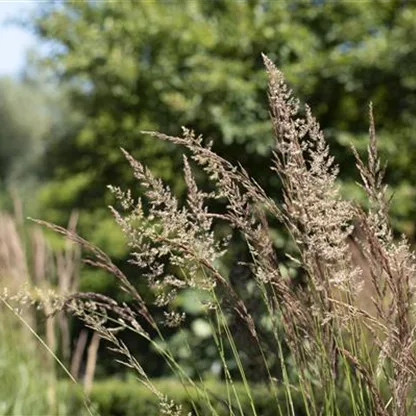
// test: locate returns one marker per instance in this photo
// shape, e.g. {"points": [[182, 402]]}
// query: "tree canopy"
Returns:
{"points": [[132, 65], [135, 66]]}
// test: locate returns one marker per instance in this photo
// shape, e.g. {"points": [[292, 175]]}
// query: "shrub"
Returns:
{"points": [[319, 320], [121, 398]]}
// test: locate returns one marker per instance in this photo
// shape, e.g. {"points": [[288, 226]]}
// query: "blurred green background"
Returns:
{"points": [[101, 72]]}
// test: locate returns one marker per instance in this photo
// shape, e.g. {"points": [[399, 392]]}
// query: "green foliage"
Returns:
{"points": [[121, 398], [134, 66], [158, 65]]}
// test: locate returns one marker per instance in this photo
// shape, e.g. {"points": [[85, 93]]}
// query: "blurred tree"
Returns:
{"points": [[32, 113], [162, 64], [144, 65], [25, 121], [22, 126]]}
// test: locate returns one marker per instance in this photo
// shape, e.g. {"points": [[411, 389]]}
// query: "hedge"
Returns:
{"points": [[131, 398]]}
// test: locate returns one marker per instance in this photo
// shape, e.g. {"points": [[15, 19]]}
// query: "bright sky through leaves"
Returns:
{"points": [[14, 40]]}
